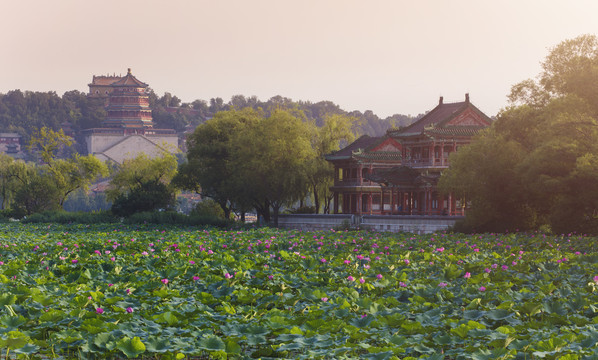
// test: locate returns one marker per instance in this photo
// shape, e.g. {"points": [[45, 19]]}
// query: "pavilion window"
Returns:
{"points": [[376, 202]]}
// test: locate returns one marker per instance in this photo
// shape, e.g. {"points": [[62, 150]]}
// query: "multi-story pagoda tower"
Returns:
{"points": [[128, 129], [128, 104]]}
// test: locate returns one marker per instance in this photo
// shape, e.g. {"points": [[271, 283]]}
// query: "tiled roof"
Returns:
{"points": [[440, 116], [379, 155], [437, 115], [454, 130], [129, 80], [362, 142], [104, 80]]}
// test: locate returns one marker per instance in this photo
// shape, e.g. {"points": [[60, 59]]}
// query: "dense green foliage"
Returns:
{"points": [[36, 187], [28, 111], [538, 163], [110, 291], [245, 159], [143, 184]]}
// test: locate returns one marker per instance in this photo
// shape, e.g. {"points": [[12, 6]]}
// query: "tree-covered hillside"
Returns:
{"points": [[27, 111]]}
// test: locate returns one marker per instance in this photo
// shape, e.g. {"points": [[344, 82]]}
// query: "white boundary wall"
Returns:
{"points": [[310, 222], [398, 223], [408, 223]]}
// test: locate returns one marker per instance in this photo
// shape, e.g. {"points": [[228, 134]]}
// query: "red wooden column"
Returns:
{"points": [[360, 175], [392, 200], [336, 202], [370, 203], [450, 204], [359, 200]]}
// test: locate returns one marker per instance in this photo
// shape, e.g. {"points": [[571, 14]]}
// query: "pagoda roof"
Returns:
{"points": [[438, 121], [363, 142], [104, 80], [129, 80], [454, 131], [378, 155], [366, 148]]}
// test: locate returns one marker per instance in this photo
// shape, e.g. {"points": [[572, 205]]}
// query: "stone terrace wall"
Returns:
{"points": [[315, 221], [408, 223], [399, 223]]}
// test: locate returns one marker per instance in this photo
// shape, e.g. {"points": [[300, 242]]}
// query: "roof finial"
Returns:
{"points": [[128, 71], [440, 100], [467, 98]]}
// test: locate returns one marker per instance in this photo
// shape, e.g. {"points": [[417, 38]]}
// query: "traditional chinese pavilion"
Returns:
{"points": [[398, 173], [128, 129]]}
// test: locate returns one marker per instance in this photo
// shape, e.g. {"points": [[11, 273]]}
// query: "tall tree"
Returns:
{"points": [[209, 169], [326, 139], [67, 174], [536, 165], [271, 157], [133, 173]]}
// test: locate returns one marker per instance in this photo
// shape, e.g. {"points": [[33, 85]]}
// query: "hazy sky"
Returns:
{"points": [[385, 56]]}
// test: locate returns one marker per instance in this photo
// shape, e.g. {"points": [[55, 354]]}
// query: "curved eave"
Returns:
{"points": [[336, 157]]}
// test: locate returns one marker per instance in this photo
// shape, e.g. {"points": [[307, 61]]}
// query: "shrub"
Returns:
{"points": [[149, 196], [208, 208], [174, 218], [64, 217], [304, 210]]}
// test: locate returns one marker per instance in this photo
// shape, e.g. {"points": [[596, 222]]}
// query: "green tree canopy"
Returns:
{"points": [[536, 164], [249, 159], [143, 184]]}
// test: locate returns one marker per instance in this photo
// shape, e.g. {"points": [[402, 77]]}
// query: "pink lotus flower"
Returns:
{"points": [[228, 276], [379, 276], [596, 279], [324, 299], [165, 281], [350, 278], [99, 310], [322, 260], [442, 284], [361, 280], [129, 310], [74, 261], [482, 288], [467, 275], [195, 278], [402, 284]]}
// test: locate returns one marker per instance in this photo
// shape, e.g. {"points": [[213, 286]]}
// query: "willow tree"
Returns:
{"points": [[209, 169], [335, 129], [270, 159]]}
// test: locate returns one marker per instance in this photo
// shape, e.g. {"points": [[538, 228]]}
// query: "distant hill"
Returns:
{"points": [[24, 112]]}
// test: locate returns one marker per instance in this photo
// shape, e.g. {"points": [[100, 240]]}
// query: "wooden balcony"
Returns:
{"points": [[427, 163]]}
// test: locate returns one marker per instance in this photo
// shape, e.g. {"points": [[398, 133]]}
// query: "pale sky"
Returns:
{"points": [[391, 57]]}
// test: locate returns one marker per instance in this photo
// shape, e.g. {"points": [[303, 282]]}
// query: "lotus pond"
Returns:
{"points": [[109, 291]]}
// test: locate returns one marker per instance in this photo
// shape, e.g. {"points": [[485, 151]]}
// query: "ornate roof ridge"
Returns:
{"points": [[129, 80]]}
